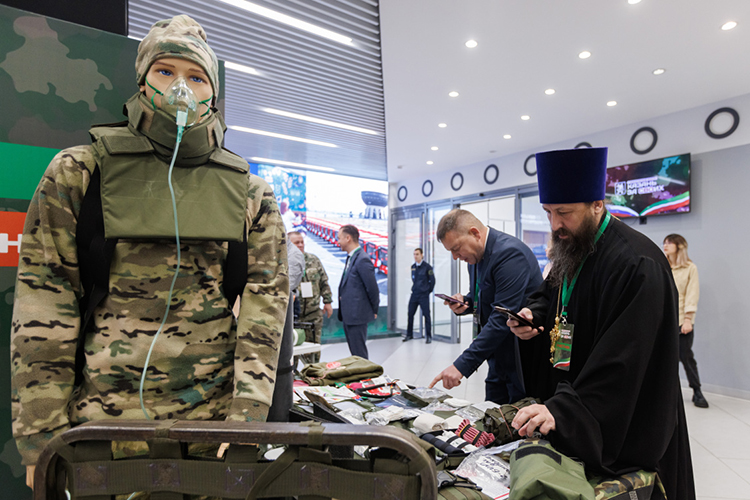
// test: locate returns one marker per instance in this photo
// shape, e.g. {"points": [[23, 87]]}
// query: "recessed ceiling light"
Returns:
{"points": [[728, 26], [320, 121], [434, 148], [453, 94], [525, 117], [289, 21], [280, 136], [240, 67], [659, 71], [549, 91], [506, 136], [290, 164], [471, 44], [611, 103], [585, 54], [429, 163], [442, 125], [633, 2]]}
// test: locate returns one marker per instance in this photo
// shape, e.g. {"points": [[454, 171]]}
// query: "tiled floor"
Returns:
{"points": [[719, 435]]}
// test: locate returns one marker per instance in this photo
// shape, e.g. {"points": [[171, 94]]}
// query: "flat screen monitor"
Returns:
{"points": [[654, 187]]}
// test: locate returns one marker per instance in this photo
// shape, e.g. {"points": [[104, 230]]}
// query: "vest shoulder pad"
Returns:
{"points": [[228, 159]]}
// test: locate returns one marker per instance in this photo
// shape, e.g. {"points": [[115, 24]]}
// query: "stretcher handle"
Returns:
{"points": [[193, 431]]}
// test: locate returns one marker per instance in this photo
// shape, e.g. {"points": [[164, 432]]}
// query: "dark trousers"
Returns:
{"points": [[356, 335], [424, 304], [688, 360], [504, 384]]}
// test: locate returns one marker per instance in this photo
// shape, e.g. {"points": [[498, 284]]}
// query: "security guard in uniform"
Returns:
{"points": [[423, 283]]}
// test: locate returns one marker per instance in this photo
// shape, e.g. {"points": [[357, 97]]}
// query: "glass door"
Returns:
{"points": [[535, 231], [407, 236], [443, 320]]}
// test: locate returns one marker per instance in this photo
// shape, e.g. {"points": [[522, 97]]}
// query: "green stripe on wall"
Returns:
{"points": [[21, 169]]}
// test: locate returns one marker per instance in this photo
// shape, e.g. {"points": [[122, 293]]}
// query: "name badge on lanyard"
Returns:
{"points": [[306, 290], [563, 348]]}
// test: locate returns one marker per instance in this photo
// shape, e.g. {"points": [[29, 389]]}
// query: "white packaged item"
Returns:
{"points": [[456, 402]]}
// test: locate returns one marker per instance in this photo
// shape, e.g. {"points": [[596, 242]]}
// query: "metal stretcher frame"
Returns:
{"points": [[186, 431]]}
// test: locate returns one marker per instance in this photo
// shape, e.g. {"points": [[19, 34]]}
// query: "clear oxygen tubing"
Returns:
{"points": [[181, 121]]}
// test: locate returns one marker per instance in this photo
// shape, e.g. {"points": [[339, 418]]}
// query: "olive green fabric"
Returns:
{"points": [[497, 421], [539, 472], [210, 200], [346, 370]]}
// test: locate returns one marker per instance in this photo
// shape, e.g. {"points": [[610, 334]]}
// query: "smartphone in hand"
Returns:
{"points": [[514, 315], [450, 299]]}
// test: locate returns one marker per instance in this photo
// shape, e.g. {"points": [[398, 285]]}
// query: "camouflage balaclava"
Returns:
{"points": [[179, 37]]}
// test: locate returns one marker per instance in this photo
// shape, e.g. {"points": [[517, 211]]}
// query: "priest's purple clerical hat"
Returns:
{"points": [[571, 175]]}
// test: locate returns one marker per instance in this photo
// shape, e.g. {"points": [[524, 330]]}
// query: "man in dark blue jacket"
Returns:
{"points": [[503, 272], [423, 282], [359, 297]]}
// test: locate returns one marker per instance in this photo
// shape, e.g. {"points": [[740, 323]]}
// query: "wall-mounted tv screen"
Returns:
{"points": [[654, 187]]}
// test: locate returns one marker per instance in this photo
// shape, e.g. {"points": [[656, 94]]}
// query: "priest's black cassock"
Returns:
{"points": [[619, 408]]}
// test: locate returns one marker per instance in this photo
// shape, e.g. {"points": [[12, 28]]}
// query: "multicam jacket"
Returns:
{"points": [[205, 365], [316, 275]]}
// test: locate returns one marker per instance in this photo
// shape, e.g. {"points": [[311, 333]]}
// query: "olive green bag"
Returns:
{"points": [[351, 369], [497, 421], [539, 472]]}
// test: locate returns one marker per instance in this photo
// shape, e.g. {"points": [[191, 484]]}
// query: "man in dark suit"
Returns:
{"points": [[423, 280], [359, 296], [504, 272]]}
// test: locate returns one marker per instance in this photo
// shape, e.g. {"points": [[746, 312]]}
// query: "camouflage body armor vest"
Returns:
{"points": [[128, 197], [210, 183]]}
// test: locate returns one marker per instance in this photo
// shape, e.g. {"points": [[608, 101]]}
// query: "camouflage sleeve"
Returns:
{"points": [[325, 289], [262, 308], [45, 323]]}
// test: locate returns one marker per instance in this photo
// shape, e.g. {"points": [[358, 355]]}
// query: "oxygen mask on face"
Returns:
{"points": [[179, 101]]}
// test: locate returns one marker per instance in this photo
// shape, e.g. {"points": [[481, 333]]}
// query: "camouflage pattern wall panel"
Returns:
{"points": [[56, 80]]}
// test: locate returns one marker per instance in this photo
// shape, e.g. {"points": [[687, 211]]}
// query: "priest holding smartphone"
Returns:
{"points": [[504, 272]]}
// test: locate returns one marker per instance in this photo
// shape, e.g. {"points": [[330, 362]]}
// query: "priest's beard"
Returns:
{"points": [[567, 254]]}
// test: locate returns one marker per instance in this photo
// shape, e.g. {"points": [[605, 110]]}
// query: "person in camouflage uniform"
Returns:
{"points": [[310, 311], [205, 365]]}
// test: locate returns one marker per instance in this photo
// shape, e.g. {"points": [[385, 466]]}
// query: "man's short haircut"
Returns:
{"points": [[420, 250], [351, 231], [457, 220], [290, 233]]}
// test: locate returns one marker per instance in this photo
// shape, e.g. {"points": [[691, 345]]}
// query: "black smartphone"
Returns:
{"points": [[521, 320], [450, 299]]}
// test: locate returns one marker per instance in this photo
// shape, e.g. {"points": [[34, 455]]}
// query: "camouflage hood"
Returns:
{"points": [[179, 37]]}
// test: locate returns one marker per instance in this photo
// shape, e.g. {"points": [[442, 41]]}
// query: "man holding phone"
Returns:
{"points": [[503, 272], [603, 357]]}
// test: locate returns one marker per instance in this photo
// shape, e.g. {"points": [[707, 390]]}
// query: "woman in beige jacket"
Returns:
{"points": [[686, 279]]}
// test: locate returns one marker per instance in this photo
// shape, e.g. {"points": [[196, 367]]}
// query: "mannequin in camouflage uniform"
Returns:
{"points": [[310, 311], [205, 364]]}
